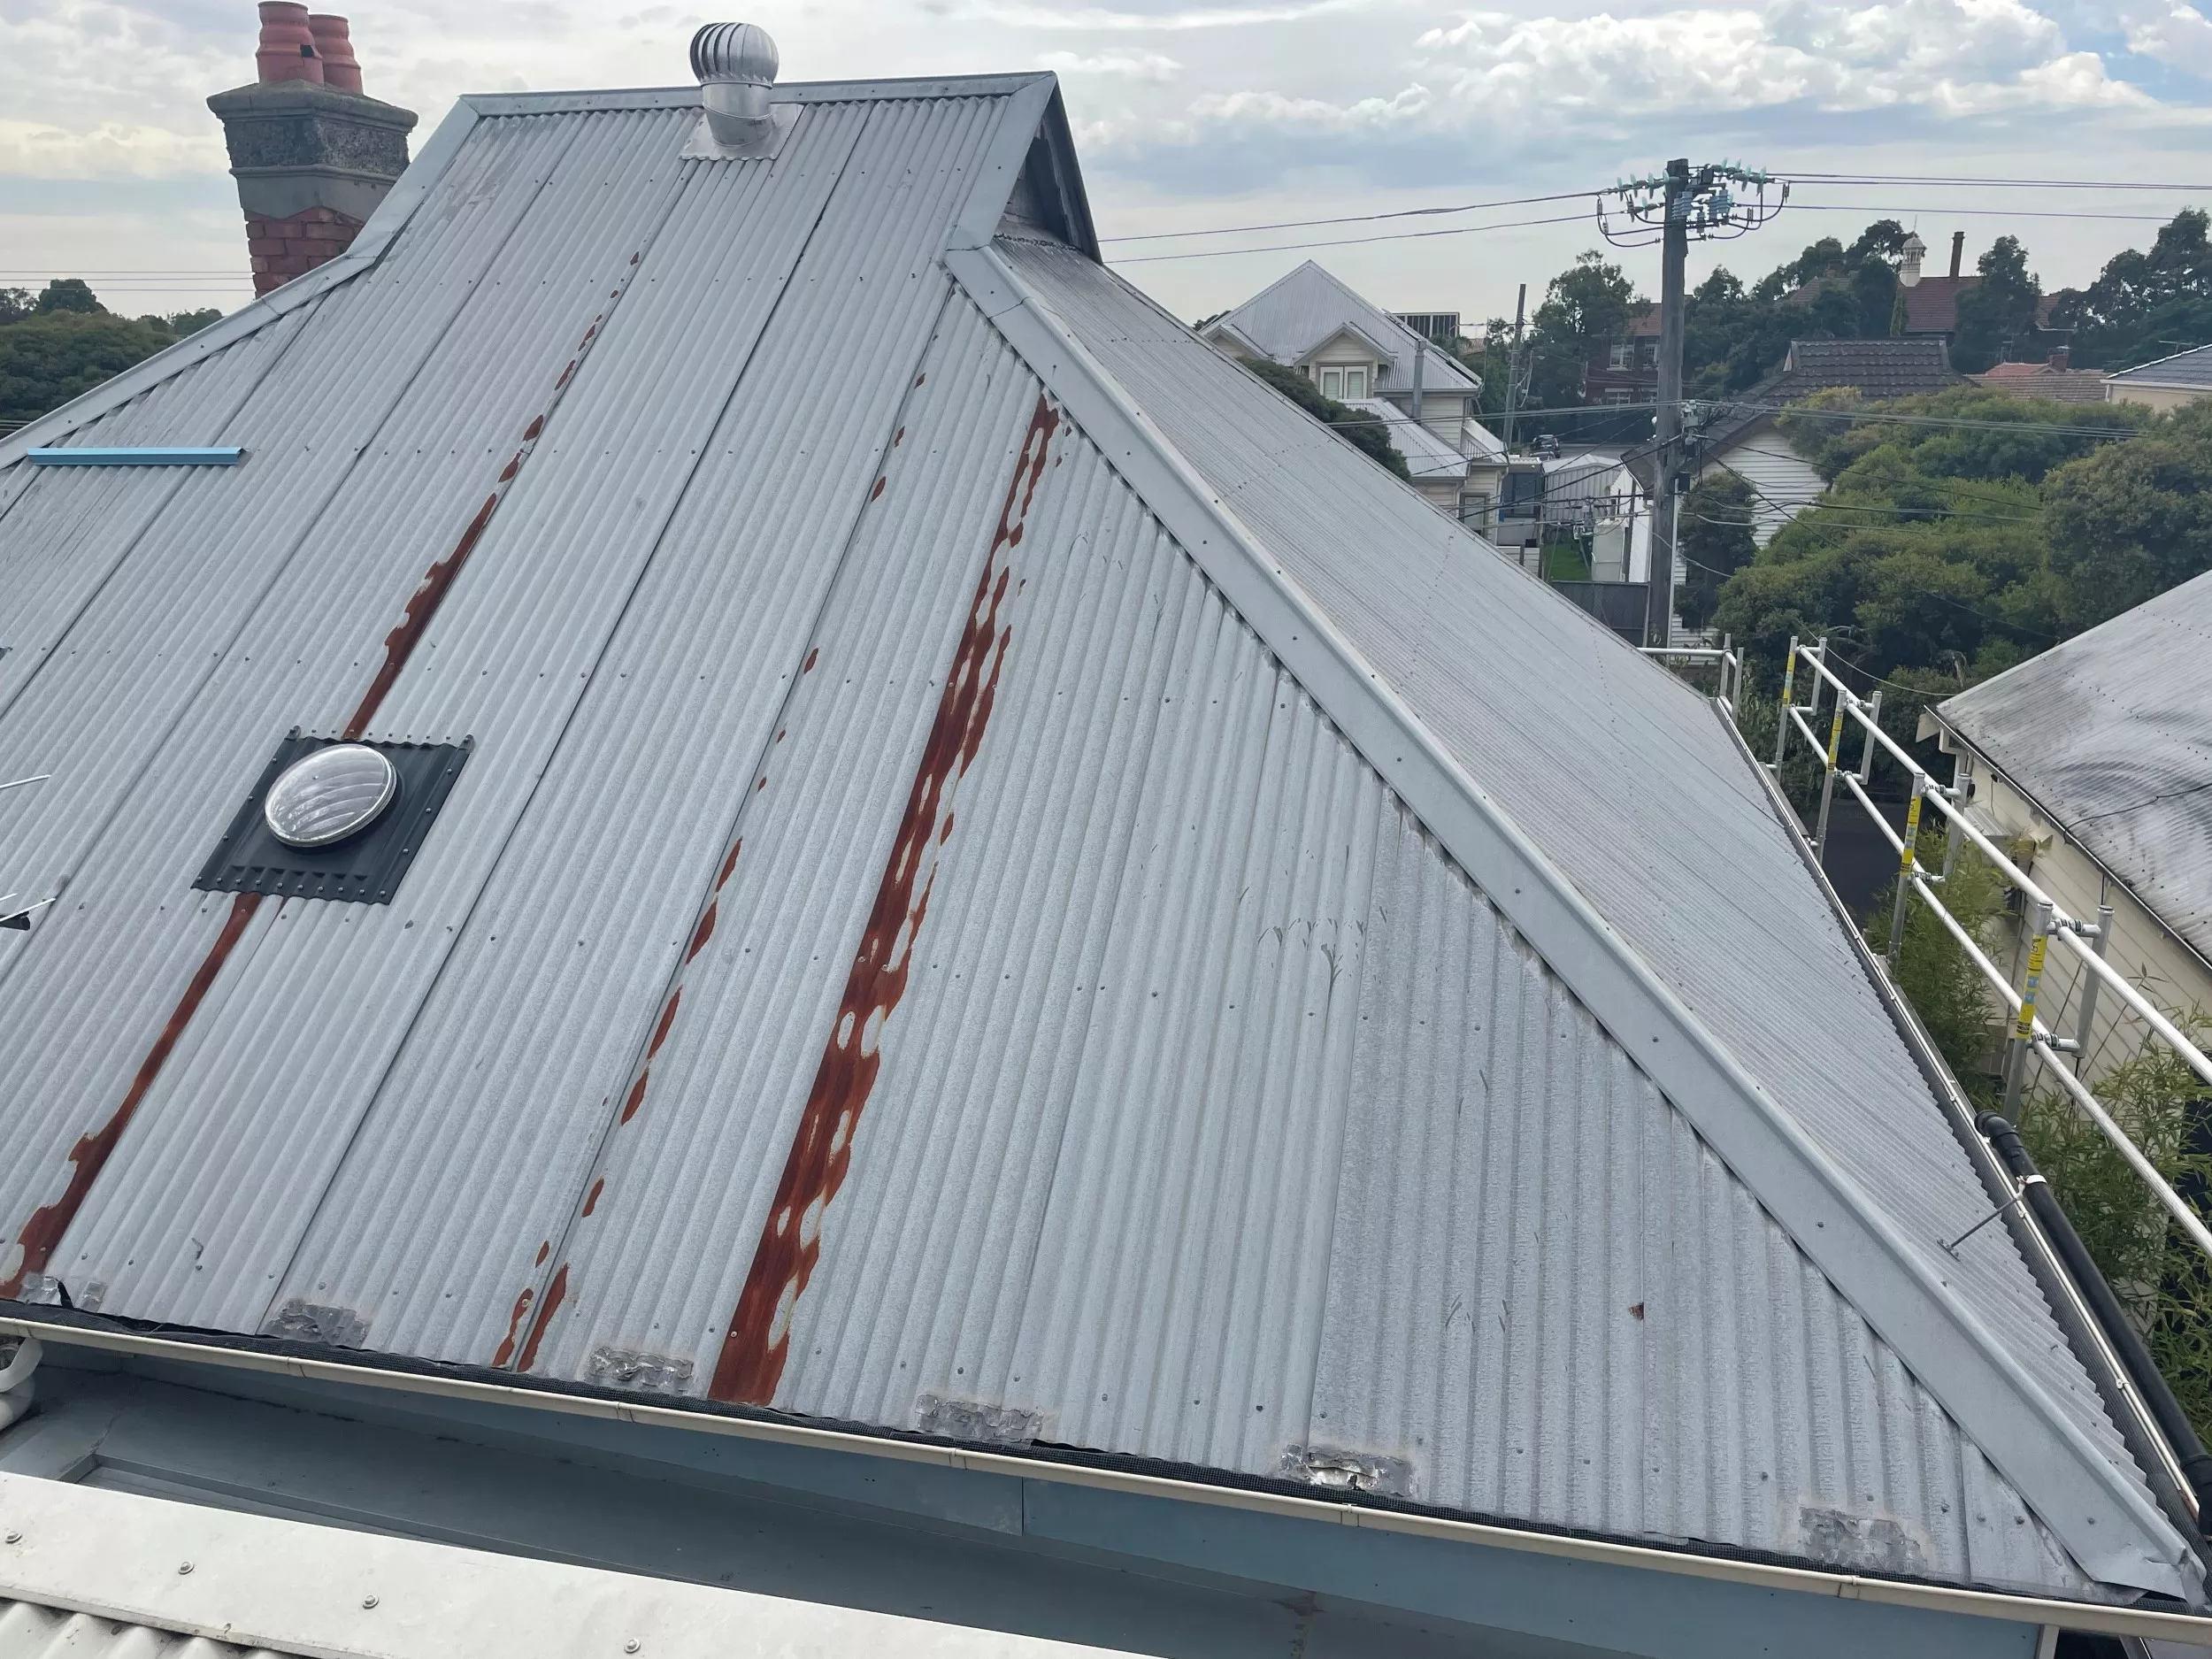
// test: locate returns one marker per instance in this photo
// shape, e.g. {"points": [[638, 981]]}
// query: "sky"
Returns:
{"points": [[1230, 113]]}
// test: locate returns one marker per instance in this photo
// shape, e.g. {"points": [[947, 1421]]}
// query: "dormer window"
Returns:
{"points": [[1344, 384]]}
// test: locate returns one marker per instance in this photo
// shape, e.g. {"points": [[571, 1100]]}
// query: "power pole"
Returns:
{"points": [[1513, 366], [1674, 253], [1719, 201]]}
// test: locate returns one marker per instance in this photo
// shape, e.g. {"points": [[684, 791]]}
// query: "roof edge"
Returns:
{"points": [[583, 100], [391, 218], [702, 1416], [2007, 1413], [1034, 115]]}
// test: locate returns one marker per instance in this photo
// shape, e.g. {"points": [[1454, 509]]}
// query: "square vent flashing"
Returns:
{"points": [[366, 867]]}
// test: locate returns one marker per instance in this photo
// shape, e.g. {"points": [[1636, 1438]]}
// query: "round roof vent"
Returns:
{"points": [[735, 51], [329, 795]]}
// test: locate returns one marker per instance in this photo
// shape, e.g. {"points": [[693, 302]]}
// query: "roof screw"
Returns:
{"points": [[368, 1600], [632, 1645], [183, 1568], [15, 1538]]}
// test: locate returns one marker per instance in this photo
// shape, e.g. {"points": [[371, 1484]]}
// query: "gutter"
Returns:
{"points": [[2140, 1623]]}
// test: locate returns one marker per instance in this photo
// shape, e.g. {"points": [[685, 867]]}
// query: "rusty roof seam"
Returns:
{"points": [[1977, 1380], [626, 282], [308, 523], [556, 1259]]}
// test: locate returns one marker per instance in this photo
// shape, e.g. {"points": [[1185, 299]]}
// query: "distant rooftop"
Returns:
{"points": [[2191, 368]]}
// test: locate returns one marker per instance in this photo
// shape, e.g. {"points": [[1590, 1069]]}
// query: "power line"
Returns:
{"points": [[1354, 219], [1958, 181], [1348, 242]]}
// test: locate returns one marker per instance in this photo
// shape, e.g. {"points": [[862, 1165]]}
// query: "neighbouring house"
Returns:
{"points": [[2054, 380], [1373, 360], [2093, 760], [1624, 370], [2164, 383], [1931, 302], [1743, 436], [743, 875]]}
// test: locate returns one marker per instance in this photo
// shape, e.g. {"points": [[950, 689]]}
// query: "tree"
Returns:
{"points": [[2144, 305], [15, 304], [1715, 542], [2132, 520], [1364, 432], [1585, 307], [68, 294], [1997, 315]]}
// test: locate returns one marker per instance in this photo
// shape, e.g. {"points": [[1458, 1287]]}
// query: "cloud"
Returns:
{"points": [[1133, 66], [2173, 34]]}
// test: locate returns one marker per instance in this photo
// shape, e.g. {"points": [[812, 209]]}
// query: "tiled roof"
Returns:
{"points": [[2040, 380], [1877, 369], [1932, 305]]}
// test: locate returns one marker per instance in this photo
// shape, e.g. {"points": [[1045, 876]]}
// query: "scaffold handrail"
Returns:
{"points": [[2031, 1031]]}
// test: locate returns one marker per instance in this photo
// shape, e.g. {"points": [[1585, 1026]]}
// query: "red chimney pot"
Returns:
{"points": [[334, 46], [287, 52]]}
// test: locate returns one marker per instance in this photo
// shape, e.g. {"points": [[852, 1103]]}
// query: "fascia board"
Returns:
{"points": [[1946, 1345], [391, 216]]}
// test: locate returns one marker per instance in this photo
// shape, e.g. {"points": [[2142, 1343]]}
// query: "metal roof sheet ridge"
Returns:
{"points": [[1881, 1273]]}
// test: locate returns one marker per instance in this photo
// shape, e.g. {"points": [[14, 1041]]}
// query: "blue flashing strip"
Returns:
{"points": [[154, 456]]}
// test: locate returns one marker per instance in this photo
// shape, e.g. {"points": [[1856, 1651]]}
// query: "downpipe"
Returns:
{"points": [[2127, 1342]]}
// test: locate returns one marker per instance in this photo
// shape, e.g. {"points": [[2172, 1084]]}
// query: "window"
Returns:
{"points": [[1333, 383], [1651, 354], [1355, 384], [1620, 396], [1622, 354]]}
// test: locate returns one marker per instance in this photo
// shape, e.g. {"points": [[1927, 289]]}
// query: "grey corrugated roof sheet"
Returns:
{"points": [[1303, 309], [2191, 369], [1426, 455], [2110, 733], [1007, 884]]}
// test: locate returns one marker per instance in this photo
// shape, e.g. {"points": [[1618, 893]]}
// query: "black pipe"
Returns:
{"points": [[2127, 1342]]}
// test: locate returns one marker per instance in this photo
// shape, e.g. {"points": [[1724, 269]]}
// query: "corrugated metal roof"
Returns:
{"points": [[2107, 733], [2191, 368], [1426, 455], [1300, 311], [28, 1631], [915, 943]]}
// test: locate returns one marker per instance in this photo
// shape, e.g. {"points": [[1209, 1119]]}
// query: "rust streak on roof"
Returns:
{"points": [[758, 1340], [41, 1234]]}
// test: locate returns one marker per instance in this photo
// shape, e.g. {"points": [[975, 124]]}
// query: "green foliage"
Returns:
{"points": [[68, 294], [1715, 542], [46, 360], [1585, 307], [1565, 562], [1933, 971], [1943, 553], [1997, 315], [2156, 1271], [2144, 305], [63, 341], [2133, 519], [1363, 431], [1734, 336]]}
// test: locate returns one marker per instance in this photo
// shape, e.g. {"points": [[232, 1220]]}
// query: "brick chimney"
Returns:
{"points": [[312, 155], [2062, 357], [1958, 241]]}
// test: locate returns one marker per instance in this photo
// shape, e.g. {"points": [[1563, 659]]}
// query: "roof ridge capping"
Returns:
{"points": [[2007, 1414], [1033, 142]]}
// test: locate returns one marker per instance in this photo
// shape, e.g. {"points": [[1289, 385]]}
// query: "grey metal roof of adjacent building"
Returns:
{"points": [[1009, 885], [2191, 368], [1426, 455], [1302, 310], [2108, 733]]}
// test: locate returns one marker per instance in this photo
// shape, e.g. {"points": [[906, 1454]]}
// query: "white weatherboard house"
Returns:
{"points": [[1362, 356], [778, 892]]}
